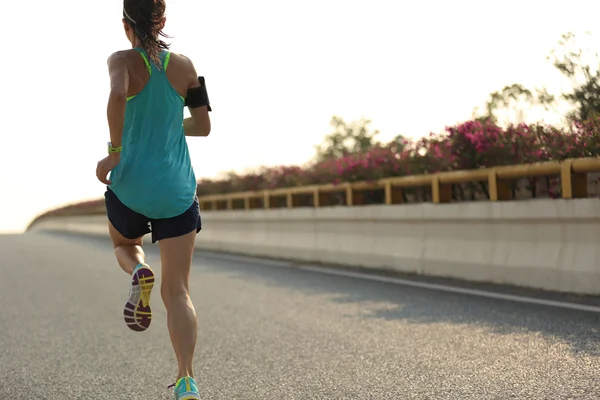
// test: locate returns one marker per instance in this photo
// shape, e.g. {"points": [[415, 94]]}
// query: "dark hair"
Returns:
{"points": [[146, 17]]}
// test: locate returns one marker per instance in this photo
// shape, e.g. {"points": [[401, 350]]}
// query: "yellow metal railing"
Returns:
{"points": [[572, 173]]}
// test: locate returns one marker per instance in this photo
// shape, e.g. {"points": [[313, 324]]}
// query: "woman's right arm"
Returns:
{"points": [[199, 123]]}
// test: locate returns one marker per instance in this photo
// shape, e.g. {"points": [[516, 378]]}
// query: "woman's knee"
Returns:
{"points": [[174, 291]]}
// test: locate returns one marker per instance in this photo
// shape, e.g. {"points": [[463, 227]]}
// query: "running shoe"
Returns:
{"points": [[137, 312], [186, 389]]}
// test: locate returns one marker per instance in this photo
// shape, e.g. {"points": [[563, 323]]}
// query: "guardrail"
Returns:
{"points": [[572, 173]]}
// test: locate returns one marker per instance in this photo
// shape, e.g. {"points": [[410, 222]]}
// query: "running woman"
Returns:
{"points": [[152, 186]]}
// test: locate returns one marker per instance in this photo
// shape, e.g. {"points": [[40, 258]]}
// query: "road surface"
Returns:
{"points": [[270, 332]]}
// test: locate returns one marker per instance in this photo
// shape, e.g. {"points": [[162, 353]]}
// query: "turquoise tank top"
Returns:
{"points": [[155, 176]]}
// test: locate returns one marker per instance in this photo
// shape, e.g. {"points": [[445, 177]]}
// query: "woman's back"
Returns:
{"points": [[155, 177]]}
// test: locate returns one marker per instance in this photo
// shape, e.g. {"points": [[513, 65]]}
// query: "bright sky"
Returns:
{"points": [[276, 72]]}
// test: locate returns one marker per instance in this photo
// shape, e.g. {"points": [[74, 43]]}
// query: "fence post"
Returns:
{"points": [[349, 199], [440, 193], [573, 185], [388, 192]]}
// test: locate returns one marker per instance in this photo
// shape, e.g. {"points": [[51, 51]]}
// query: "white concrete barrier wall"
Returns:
{"points": [[543, 244]]}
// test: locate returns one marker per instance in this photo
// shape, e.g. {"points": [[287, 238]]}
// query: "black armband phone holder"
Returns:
{"points": [[198, 97]]}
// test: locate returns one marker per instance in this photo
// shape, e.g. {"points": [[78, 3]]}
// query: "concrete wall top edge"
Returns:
{"points": [[546, 209]]}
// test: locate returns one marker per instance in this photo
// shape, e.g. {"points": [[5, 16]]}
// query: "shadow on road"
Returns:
{"points": [[580, 330]]}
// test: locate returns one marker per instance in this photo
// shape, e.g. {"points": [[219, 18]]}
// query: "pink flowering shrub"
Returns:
{"points": [[476, 144], [470, 145]]}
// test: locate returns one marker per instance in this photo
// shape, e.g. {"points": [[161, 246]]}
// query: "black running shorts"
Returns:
{"points": [[133, 225]]}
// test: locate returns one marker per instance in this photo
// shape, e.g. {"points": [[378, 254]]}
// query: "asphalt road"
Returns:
{"points": [[269, 332]]}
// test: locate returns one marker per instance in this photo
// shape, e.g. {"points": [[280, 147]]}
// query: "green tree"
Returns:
{"points": [[580, 66], [514, 98], [347, 138], [399, 142]]}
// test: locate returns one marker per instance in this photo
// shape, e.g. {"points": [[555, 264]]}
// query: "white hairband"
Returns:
{"points": [[128, 17]]}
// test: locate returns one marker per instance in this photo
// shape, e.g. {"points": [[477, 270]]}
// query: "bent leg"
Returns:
{"points": [[129, 252], [176, 256], [137, 312], [126, 228]]}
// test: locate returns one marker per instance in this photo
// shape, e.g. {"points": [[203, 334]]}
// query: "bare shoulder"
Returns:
{"points": [[121, 57], [184, 62], [181, 58], [184, 66]]}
